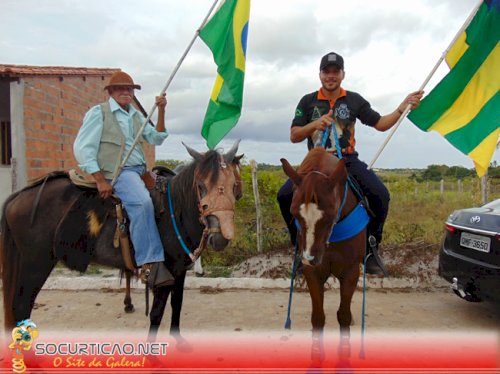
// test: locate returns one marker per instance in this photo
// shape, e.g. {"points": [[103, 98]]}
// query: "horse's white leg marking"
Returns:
{"points": [[311, 215], [198, 268]]}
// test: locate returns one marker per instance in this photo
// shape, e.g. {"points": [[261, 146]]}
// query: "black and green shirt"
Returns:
{"points": [[348, 107]]}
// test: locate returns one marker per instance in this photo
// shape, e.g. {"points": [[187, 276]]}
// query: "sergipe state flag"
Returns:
{"points": [[465, 106], [226, 36]]}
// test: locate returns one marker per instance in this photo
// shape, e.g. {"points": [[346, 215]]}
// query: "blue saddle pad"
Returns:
{"points": [[348, 227], [351, 225]]}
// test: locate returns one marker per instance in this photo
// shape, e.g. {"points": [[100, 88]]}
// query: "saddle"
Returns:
{"points": [[79, 212], [121, 237], [91, 212]]}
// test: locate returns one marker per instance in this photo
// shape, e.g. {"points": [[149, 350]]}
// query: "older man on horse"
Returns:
{"points": [[333, 104], [105, 137]]}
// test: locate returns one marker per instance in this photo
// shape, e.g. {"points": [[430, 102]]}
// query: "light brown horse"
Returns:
{"points": [[319, 202]]}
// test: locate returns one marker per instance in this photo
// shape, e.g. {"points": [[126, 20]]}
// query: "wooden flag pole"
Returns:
{"points": [[148, 118], [443, 56]]}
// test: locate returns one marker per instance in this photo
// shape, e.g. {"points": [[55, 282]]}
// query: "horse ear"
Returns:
{"points": [[229, 156], [291, 172], [194, 154], [237, 159]]}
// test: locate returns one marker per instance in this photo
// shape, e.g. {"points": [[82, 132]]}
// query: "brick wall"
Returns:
{"points": [[54, 107]]}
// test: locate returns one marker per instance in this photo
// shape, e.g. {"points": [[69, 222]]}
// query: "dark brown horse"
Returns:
{"points": [[323, 197], [53, 220]]}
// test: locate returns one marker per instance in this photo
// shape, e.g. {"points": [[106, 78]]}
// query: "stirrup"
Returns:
{"points": [[156, 274], [376, 265]]}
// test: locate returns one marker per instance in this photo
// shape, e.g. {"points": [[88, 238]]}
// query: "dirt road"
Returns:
{"points": [[255, 298], [244, 327], [412, 320], [246, 311]]}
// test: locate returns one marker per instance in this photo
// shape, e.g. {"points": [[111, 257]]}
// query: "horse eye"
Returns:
{"points": [[237, 191], [202, 189]]}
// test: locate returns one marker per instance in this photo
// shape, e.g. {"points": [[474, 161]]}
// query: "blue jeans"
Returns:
{"points": [[137, 202]]}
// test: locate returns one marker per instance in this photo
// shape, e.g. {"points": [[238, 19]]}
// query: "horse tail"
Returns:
{"points": [[10, 261]]}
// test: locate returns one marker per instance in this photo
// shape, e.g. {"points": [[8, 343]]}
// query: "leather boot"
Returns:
{"points": [[374, 264], [156, 274]]}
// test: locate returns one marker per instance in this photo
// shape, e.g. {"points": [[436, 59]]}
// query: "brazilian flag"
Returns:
{"points": [[226, 36], [465, 106]]}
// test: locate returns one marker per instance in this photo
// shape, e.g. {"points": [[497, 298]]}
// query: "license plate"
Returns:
{"points": [[477, 242]]}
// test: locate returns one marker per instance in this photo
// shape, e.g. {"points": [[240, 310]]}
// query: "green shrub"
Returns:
{"points": [[417, 211]]}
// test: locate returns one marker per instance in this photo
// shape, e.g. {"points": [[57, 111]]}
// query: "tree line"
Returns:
{"points": [[438, 172], [431, 173]]}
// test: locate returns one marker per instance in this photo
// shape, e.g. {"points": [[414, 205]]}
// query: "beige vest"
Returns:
{"points": [[112, 145]]}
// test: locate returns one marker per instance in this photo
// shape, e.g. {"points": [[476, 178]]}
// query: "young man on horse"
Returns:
{"points": [[105, 137], [333, 104]]}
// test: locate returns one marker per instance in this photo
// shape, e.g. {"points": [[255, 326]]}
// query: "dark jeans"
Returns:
{"points": [[371, 186]]}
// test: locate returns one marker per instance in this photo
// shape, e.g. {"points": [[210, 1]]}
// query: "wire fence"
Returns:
{"points": [[484, 189]]}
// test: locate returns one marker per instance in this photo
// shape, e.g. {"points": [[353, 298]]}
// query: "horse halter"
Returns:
{"points": [[219, 201], [223, 208]]}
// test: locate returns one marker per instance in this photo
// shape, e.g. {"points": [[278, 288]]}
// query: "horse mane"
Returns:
{"points": [[317, 165], [318, 159], [210, 164], [185, 182]]}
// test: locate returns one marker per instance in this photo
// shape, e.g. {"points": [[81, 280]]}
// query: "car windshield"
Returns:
{"points": [[495, 204]]}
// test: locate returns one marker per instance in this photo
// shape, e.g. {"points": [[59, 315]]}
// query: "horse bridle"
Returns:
{"points": [[221, 202], [204, 213]]}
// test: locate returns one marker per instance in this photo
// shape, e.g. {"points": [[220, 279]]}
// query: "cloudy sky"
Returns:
{"points": [[389, 47]]}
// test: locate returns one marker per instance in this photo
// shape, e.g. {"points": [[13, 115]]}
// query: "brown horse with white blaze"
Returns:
{"points": [[323, 197]]}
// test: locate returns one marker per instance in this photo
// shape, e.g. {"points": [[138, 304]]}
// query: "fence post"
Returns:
{"points": [[441, 188], [256, 197], [13, 175], [484, 188]]}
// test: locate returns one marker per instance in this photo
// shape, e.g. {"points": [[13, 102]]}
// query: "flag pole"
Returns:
{"points": [[148, 118], [443, 56]]}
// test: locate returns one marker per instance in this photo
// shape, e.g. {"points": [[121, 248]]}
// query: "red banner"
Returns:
{"points": [[263, 352]]}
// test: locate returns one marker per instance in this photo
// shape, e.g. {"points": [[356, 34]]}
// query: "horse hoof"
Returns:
{"points": [[129, 308], [182, 344], [344, 351], [317, 354]]}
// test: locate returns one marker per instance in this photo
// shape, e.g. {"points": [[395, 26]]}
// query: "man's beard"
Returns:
{"points": [[332, 88]]}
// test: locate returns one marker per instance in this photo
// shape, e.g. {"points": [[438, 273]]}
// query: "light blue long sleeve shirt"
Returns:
{"points": [[88, 139]]}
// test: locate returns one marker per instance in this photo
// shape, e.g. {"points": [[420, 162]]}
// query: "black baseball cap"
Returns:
{"points": [[332, 59]]}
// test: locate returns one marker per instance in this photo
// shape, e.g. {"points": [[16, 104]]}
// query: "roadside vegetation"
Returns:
{"points": [[416, 218]]}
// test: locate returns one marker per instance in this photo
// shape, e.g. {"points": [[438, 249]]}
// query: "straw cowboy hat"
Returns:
{"points": [[121, 78]]}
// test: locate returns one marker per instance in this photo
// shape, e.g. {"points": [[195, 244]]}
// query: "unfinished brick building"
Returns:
{"points": [[41, 110]]}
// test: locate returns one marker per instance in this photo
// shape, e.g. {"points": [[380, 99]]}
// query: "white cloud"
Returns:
{"points": [[389, 47]]}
